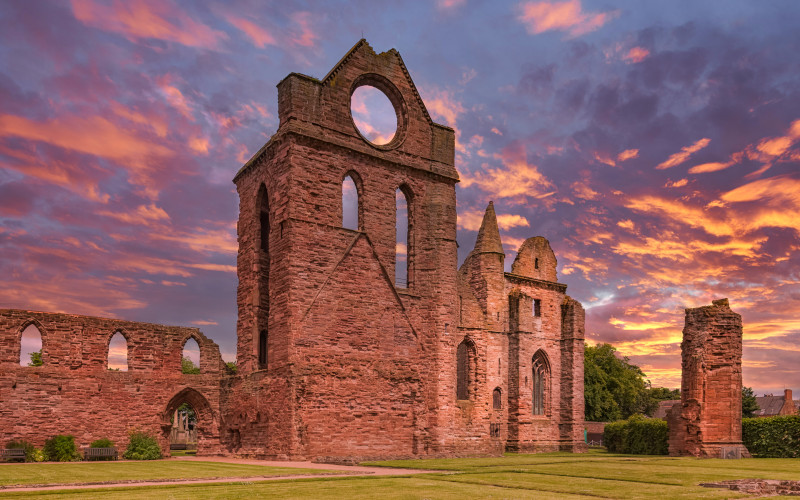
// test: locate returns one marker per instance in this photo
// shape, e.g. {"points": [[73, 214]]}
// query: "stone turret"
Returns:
{"points": [[483, 270]]}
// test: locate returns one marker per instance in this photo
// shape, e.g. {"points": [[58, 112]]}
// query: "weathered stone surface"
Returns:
{"points": [[336, 361], [75, 393], [708, 421]]}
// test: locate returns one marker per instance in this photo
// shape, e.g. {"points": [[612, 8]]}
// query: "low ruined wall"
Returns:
{"points": [[74, 392]]}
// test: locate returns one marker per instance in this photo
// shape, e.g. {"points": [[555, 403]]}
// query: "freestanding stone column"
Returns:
{"points": [[707, 423]]}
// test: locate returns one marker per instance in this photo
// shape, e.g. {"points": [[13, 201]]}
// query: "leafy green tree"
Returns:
{"points": [[749, 402], [36, 358], [663, 394], [187, 366], [231, 367], [614, 389]]}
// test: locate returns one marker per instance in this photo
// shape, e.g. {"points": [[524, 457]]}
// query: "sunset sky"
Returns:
{"points": [[655, 144]]}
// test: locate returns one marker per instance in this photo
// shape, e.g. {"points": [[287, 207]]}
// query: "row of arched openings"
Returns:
{"points": [[466, 377], [352, 218], [117, 358]]}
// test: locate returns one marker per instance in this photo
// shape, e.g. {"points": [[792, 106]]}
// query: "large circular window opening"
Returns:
{"points": [[373, 115]]}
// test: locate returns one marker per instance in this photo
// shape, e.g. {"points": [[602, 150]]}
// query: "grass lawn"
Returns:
{"points": [[99, 472], [550, 475]]}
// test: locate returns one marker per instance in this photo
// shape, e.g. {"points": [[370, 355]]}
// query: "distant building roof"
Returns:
{"points": [[770, 406], [663, 407]]}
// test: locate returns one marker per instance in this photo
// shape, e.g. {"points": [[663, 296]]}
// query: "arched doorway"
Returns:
{"points": [[189, 421]]}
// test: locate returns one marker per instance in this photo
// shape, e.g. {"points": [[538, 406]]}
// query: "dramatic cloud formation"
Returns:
{"points": [[658, 149], [568, 16]]}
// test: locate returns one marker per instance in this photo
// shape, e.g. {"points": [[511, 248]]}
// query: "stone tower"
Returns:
{"points": [[336, 359], [707, 423]]}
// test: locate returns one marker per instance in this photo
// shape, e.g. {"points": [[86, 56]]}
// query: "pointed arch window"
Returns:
{"points": [[117, 359], [541, 376], [30, 349], [465, 367], [350, 203], [497, 398], [403, 243], [190, 357]]}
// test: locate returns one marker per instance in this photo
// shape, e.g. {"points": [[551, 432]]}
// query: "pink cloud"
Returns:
{"points": [[143, 19], [256, 33], [568, 16], [636, 55]]}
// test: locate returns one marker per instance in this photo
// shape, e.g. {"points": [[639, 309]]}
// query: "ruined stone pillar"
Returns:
{"points": [[707, 423]]}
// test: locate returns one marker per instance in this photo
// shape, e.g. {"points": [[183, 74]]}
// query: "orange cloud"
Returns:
{"points": [[93, 135], [257, 34], [143, 19], [583, 191], [628, 154], [636, 55], [568, 16], [709, 167], [516, 179], [144, 214], [684, 154], [158, 125], [604, 158], [471, 220], [443, 105], [676, 184]]}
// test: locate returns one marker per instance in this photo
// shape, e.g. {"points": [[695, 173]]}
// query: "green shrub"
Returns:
{"points": [[773, 437], [142, 446], [638, 435], [61, 448], [102, 443], [37, 455], [614, 436], [22, 444]]}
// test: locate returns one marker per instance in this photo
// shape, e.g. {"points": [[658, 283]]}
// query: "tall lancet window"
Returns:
{"points": [[350, 203], [541, 374], [402, 241], [260, 349]]}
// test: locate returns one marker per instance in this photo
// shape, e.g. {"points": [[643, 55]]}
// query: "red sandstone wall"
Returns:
{"points": [[74, 392], [361, 358], [708, 421]]}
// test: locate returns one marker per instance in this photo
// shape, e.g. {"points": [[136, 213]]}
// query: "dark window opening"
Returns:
{"points": [[494, 430], [262, 350], [263, 208], [497, 398], [537, 307], [462, 371], [536, 263]]}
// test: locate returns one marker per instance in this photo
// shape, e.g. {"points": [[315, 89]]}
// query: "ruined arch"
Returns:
{"points": [[109, 340], [42, 337], [207, 420], [185, 341]]}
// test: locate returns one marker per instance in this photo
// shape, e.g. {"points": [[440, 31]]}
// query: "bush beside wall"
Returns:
{"points": [[637, 435], [772, 437]]}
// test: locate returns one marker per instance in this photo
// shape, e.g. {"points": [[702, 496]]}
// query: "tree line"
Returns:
{"points": [[615, 388]]}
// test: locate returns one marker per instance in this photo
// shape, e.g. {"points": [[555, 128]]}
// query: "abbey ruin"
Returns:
{"points": [[337, 358]]}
